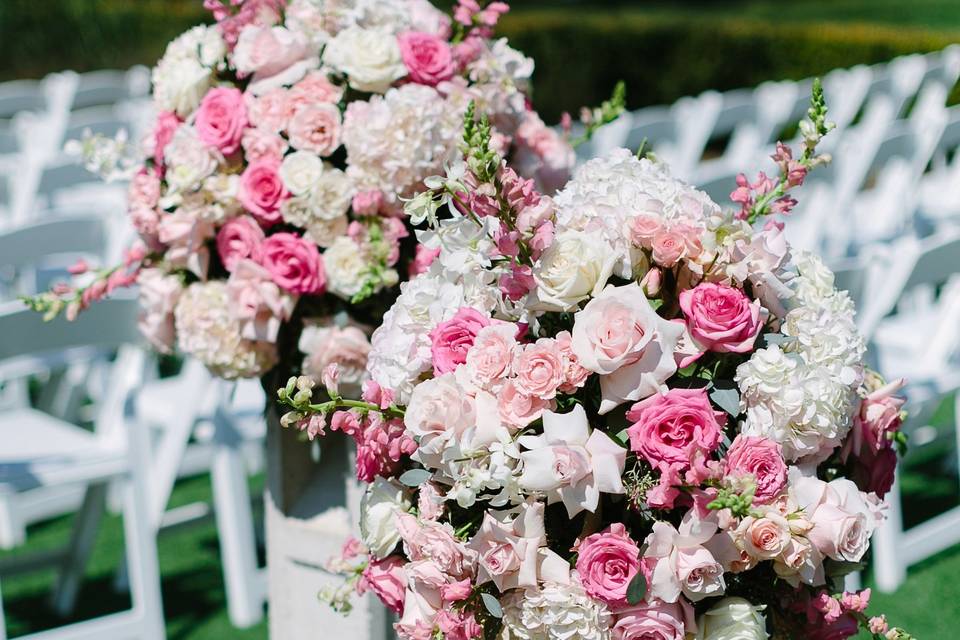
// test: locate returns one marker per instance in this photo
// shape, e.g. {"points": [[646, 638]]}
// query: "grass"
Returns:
{"points": [[193, 595]]}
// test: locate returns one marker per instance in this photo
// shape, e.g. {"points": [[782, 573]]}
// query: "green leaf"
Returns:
{"points": [[492, 604], [637, 589], [415, 477], [726, 396], [623, 437]]}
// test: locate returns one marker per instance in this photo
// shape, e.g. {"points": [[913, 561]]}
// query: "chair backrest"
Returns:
{"points": [[103, 87], [64, 176], [21, 95], [71, 236], [655, 129]]}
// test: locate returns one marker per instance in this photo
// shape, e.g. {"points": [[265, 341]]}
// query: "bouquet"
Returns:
{"points": [[621, 412], [269, 195]]}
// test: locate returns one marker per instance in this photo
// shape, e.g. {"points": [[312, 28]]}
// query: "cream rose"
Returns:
{"points": [[732, 619], [370, 58], [574, 267], [381, 504], [300, 171], [346, 267]]}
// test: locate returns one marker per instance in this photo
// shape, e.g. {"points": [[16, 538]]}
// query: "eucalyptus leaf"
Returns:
{"points": [[637, 589], [726, 396], [492, 604], [415, 477], [774, 338]]}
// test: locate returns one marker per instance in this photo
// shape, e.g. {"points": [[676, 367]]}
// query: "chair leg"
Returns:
{"points": [[238, 552], [889, 570], [85, 527], [3, 622], [12, 530]]}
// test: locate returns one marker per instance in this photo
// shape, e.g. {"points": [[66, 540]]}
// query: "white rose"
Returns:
{"points": [[332, 194], [370, 58], [188, 160], [345, 266], [576, 266], [732, 619], [438, 411], [179, 84], [381, 503], [299, 171]]}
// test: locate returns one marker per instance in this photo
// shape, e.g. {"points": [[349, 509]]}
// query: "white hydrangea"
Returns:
{"points": [[395, 141], [607, 192], [346, 267], [207, 330], [554, 612], [186, 70]]}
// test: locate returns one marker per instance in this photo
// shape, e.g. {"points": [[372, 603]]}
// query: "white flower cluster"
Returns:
{"points": [[320, 197], [185, 72], [396, 140], [607, 192], [801, 393], [554, 612], [207, 330]]}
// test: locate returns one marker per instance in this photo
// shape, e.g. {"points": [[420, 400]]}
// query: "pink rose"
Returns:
{"points": [[668, 247], [540, 369], [345, 347], [517, 408], [269, 110], [644, 228], [669, 429], [620, 336], [428, 57], [262, 144], [368, 203], [262, 191], [315, 128], [721, 318], [425, 540], [163, 130], [315, 87], [491, 357], [387, 580], [875, 471], [607, 562], [430, 502], [275, 56], [239, 238], [458, 625], [144, 191], [879, 417], [221, 119], [159, 293], [574, 375], [767, 537], [294, 263], [761, 458], [655, 620], [451, 340], [257, 302]]}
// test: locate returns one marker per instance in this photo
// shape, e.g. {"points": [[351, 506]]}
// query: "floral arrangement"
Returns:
{"points": [[621, 412], [270, 191]]}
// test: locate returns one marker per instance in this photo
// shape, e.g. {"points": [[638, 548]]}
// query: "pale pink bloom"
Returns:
{"points": [[878, 625], [368, 203], [221, 119], [346, 347], [426, 540], [683, 564], [262, 144], [315, 128], [272, 56], [655, 620], [574, 375], [163, 130], [159, 293], [570, 463], [668, 247], [257, 302], [315, 87], [239, 238], [880, 415], [539, 369], [387, 580], [518, 409], [430, 502], [186, 238], [144, 191], [843, 517], [268, 111], [511, 550], [490, 358], [294, 263], [428, 58], [621, 337], [644, 228]]}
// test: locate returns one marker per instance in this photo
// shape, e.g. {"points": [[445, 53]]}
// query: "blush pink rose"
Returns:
{"points": [[387, 580], [516, 408], [607, 562], [368, 203], [315, 128], [262, 190], [294, 263], [540, 369], [574, 375], [491, 356], [315, 87], [273, 56], [163, 130], [761, 458], [426, 540], [879, 416], [451, 339], [668, 247], [262, 144], [269, 111], [221, 119], [721, 318], [144, 191], [644, 228], [655, 620], [428, 58], [239, 238], [668, 430]]}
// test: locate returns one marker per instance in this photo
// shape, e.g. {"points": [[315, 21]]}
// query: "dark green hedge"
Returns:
{"points": [[580, 52]]}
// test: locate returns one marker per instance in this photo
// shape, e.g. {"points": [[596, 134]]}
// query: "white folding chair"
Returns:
{"points": [[41, 450]]}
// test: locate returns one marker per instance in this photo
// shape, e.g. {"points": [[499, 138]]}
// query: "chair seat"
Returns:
{"points": [[41, 450]]}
